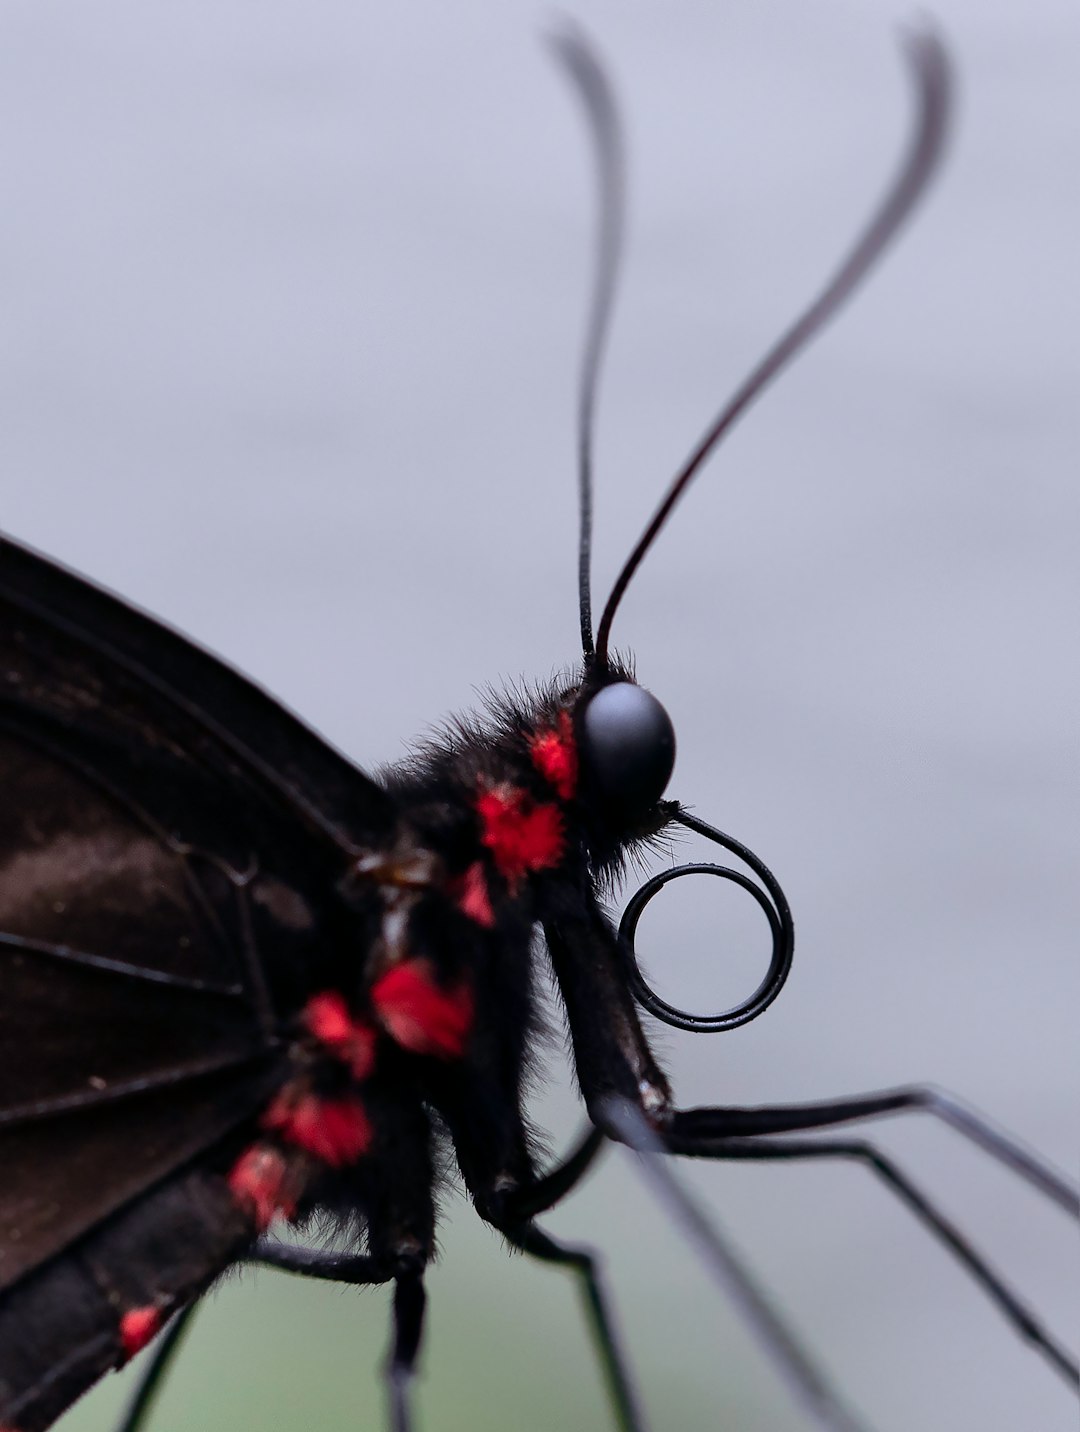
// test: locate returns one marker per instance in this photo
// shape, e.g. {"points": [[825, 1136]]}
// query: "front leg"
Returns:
{"points": [[611, 1053]]}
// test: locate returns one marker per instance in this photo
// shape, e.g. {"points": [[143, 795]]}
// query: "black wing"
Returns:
{"points": [[170, 838]]}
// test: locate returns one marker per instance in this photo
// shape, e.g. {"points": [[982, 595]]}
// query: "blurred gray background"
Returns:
{"points": [[290, 303]]}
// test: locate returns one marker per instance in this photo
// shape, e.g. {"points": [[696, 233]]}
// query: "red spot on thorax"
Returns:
{"points": [[137, 1327], [470, 894], [327, 1017], [335, 1131], [554, 755], [260, 1184], [420, 1016], [521, 836]]}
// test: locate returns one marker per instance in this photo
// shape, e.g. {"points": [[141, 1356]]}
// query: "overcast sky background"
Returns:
{"points": [[290, 307]]}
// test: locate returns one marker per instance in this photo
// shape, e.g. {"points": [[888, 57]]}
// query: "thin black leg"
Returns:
{"points": [[719, 1123], [305, 1262], [523, 1204], [156, 1370], [355, 1269], [358, 1270], [625, 1122], [409, 1302], [1021, 1318], [606, 1340]]}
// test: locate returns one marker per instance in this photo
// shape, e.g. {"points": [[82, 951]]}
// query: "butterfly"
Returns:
{"points": [[247, 984]]}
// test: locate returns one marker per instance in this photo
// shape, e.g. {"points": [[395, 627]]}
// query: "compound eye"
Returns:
{"points": [[628, 746]]}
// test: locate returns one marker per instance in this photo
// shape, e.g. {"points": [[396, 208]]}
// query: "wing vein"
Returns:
{"points": [[89, 1098], [107, 965]]}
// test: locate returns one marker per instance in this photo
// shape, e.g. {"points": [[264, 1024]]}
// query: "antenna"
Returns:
{"points": [[593, 87], [929, 65]]}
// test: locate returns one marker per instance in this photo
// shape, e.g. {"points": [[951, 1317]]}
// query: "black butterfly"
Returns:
{"points": [[240, 981]]}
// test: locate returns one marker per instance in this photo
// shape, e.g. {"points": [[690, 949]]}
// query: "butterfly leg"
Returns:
{"points": [[625, 1122], [157, 1369], [359, 1270], [618, 1075], [409, 1304], [520, 1207], [480, 1101], [1022, 1319], [713, 1123], [583, 1261], [356, 1270], [308, 1262], [552, 1187]]}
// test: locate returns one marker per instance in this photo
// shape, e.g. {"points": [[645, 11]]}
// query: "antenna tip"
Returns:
{"points": [[571, 45], [929, 57]]}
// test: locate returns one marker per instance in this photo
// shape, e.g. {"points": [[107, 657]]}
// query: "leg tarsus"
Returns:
{"points": [[583, 1261], [523, 1204], [1022, 1319], [156, 1371], [791, 1118], [403, 1269], [625, 1122], [409, 1304], [356, 1269]]}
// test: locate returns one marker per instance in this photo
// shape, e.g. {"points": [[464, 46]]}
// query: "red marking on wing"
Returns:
{"points": [[554, 755], [470, 894], [335, 1131], [137, 1327], [259, 1183], [327, 1017], [420, 1016], [520, 835]]}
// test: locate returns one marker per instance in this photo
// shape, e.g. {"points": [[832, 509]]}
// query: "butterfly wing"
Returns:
{"points": [[65, 1326], [152, 671], [169, 844]]}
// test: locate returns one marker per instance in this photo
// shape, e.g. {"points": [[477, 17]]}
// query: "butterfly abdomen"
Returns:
{"points": [[68, 1323]]}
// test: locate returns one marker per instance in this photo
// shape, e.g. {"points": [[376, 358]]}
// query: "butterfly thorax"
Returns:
{"points": [[497, 833]]}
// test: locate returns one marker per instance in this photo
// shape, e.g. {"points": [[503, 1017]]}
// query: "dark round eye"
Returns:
{"points": [[628, 746]]}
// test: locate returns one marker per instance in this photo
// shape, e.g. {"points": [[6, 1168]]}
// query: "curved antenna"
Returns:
{"points": [[593, 87], [930, 71]]}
